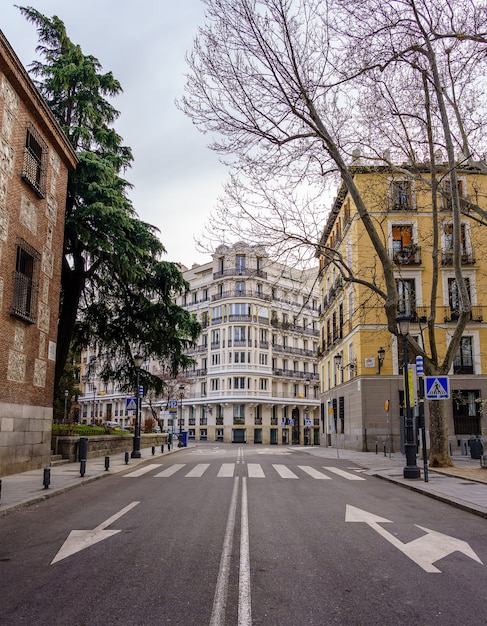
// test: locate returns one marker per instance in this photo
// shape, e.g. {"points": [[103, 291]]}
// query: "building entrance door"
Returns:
{"points": [[296, 427]]}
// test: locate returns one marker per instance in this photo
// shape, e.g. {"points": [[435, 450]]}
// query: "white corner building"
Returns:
{"points": [[255, 379]]}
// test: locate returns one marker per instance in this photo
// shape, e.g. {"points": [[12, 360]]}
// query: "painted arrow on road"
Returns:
{"points": [[80, 539], [425, 550]]}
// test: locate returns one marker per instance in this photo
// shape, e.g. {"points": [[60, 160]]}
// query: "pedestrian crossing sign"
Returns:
{"points": [[437, 387], [131, 404]]}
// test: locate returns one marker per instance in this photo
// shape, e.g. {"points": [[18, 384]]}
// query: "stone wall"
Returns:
{"points": [[104, 445]]}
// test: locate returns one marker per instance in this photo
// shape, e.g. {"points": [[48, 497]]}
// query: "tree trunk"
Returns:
{"points": [[439, 444]]}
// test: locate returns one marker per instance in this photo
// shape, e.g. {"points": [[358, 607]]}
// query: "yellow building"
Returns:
{"points": [[361, 362]]}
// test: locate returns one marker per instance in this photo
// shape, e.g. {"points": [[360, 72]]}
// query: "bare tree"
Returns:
{"points": [[290, 89]]}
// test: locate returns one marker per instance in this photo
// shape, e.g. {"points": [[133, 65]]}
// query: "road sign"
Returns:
{"points": [[131, 404], [173, 406], [437, 387], [308, 422]]}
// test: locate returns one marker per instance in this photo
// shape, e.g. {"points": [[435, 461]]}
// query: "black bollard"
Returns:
{"points": [[385, 450], [162, 449], [82, 454], [0, 489], [46, 479], [153, 450], [126, 458], [107, 463]]}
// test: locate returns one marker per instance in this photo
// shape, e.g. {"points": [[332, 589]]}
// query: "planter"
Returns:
{"points": [[104, 445]]}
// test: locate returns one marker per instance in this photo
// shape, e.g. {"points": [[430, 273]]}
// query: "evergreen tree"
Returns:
{"points": [[116, 291]]}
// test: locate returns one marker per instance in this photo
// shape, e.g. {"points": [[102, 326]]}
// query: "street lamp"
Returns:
{"points": [[411, 470], [181, 396], [338, 363], [66, 394], [381, 353], [138, 360], [94, 400]]}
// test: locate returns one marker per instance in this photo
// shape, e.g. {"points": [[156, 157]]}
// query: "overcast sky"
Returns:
{"points": [[176, 178]]}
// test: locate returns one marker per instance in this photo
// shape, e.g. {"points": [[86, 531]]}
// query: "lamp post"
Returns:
{"points": [[181, 396], [66, 393], [138, 360], [411, 471], [93, 414]]}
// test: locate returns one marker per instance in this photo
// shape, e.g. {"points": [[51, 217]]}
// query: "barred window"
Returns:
{"points": [[26, 282], [35, 161]]}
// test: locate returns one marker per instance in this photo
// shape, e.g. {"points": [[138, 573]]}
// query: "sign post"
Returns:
{"points": [[422, 424]]}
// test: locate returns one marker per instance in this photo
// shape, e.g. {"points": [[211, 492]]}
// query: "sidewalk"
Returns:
{"points": [[27, 488], [463, 486]]}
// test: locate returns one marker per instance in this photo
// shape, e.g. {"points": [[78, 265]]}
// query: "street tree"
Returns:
{"points": [[292, 90], [117, 292]]}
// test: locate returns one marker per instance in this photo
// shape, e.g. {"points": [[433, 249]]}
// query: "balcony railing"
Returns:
{"points": [[466, 258], [240, 271], [407, 255]]}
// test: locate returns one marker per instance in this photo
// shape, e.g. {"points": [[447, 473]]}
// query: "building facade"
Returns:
{"points": [[35, 157], [255, 377], [361, 363]]}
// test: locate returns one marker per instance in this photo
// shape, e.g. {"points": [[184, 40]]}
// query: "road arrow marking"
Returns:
{"points": [[80, 539], [425, 550]]}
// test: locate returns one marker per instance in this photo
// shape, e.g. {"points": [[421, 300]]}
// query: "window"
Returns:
{"points": [[240, 263], [35, 160], [239, 311], [239, 413], [446, 203], [240, 288], [216, 314], [263, 384], [215, 384], [463, 362], [403, 247], [215, 359], [466, 412], [406, 296], [262, 359], [454, 297], [239, 357], [447, 257], [26, 282], [401, 196], [238, 382], [239, 334]]}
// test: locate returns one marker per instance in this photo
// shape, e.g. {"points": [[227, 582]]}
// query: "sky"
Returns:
{"points": [[177, 179]]}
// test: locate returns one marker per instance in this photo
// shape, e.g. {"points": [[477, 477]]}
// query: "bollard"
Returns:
{"points": [[107, 463], [46, 479], [162, 448], [0, 489], [82, 454], [153, 450], [377, 447], [385, 450], [126, 458]]}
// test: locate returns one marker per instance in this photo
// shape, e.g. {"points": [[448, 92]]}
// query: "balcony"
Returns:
{"points": [[453, 314], [467, 258], [407, 255], [240, 271]]}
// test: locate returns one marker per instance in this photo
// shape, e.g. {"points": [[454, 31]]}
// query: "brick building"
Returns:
{"points": [[35, 157]]}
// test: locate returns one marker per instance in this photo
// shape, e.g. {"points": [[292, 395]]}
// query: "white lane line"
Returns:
{"points": [[284, 472], [314, 473], [142, 470], [220, 599], [170, 470], [226, 470], [244, 599], [255, 470], [343, 473], [198, 470]]}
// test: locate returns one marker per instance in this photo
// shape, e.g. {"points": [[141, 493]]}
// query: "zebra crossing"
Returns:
{"points": [[253, 470]]}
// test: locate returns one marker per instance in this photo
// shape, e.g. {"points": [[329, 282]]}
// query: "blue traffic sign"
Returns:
{"points": [[437, 387], [131, 404]]}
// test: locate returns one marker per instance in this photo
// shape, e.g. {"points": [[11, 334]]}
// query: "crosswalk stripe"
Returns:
{"points": [[169, 471], [226, 470], [343, 473], [284, 472], [142, 470], [255, 470], [198, 470], [314, 473]]}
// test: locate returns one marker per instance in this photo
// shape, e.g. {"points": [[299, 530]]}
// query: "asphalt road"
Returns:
{"points": [[238, 535]]}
